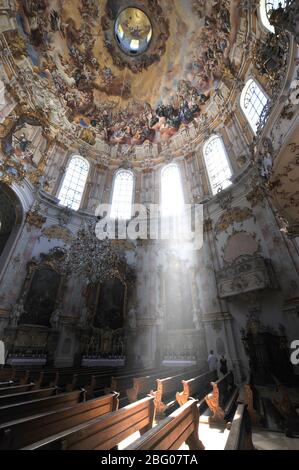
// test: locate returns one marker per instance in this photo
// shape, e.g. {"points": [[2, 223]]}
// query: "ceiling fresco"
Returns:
{"points": [[126, 98]]}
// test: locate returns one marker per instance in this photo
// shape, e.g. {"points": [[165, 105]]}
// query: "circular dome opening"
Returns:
{"points": [[133, 31]]}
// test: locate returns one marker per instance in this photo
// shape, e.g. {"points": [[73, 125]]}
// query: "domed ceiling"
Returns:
{"points": [[130, 72]]}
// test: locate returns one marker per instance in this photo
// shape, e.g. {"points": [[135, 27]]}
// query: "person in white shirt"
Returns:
{"points": [[2, 354], [212, 361]]}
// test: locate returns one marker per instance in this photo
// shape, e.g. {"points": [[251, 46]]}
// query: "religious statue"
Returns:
{"points": [[16, 313], [132, 318], [55, 318]]}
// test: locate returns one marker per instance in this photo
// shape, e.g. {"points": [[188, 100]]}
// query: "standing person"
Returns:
{"points": [[2, 354], [223, 365], [212, 361]]}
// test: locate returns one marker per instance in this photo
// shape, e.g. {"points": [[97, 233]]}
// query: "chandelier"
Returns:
{"points": [[95, 260]]}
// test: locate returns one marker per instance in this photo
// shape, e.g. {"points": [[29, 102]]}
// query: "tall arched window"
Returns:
{"points": [[74, 181], [172, 196], [217, 164], [122, 198], [253, 101], [266, 8]]}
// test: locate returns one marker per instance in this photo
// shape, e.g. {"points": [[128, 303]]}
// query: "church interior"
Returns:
{"points": [[149, 225]]}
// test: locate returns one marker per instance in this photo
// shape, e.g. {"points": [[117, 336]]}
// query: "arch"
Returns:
{"points": [[74, 181], [217, 163], [253, 101], [172, 195], [122, 195], [266, 6]]}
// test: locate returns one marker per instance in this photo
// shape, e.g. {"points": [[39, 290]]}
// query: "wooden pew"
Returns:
{"points": [[222, 400], [6, 400], [178, 428], [240, 435], [41, 405], [9, 383], [17, 389], [103, 433], [165, 395], [143, 385], [103, 382], [197, 387], [7, 374], [24, 432]]}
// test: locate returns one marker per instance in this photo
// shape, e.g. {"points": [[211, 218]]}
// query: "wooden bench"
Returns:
{"points": [[27, 396], [165, 395], [17, 389], [7, 374], [41, 405], [197, 387], [143, 385], [240, 435], [103, 433], [103, 382], [9, 383], [26, 431], [178, 428], [222, 400]]}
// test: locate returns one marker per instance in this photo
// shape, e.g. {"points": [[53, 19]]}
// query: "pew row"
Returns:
{"points": [[9, 383], [172, 432], [103, 433], [13, 398], [9, 390], [240, 435], [41, 405], [197, 387], [222, 400], [165, 395], [23, 432]]}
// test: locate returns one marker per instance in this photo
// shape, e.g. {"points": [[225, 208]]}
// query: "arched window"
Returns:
{"points": [[217, 164], [74, 181], [172, 196], [122, 198], [266, 8], [253, 101]]}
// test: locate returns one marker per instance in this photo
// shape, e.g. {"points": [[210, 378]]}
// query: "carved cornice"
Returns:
{"points": [[217, 316]]}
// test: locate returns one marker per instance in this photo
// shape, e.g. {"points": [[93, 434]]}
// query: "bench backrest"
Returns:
{"points": [[181, 426], [26, 396], [226, 386], [42, 405], [196, 387], [170, 385], [19, 434], [240, 435], [201, 384], [103, 433], [8, 383], [9, 390]]}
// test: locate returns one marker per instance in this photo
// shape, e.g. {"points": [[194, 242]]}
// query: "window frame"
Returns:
{"points": [[164, 168], [206, 143], [263, 15], [116, 173], [72, 157], [242, 95]]}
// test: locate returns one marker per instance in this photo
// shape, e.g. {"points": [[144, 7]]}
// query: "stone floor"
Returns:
{"points": [[267, 440]]}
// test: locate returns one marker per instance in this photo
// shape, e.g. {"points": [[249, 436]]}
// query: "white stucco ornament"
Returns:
{"points": [[294, 95]]}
